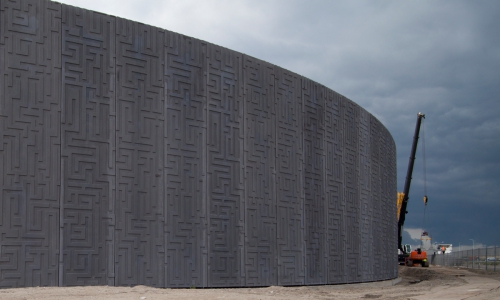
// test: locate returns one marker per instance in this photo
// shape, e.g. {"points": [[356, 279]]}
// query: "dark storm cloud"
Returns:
{"points": [[395, 59]]}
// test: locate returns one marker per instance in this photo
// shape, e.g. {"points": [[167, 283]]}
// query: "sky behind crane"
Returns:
{"points": [[395, 59]]}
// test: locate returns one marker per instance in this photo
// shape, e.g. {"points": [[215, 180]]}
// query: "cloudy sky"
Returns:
{"points": [[395, 59]]}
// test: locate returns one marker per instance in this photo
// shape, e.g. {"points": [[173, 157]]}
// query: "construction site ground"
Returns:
{"points": [[413, 283]]}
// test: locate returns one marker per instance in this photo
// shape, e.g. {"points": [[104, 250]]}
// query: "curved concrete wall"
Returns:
{"points": [[133, 155]]}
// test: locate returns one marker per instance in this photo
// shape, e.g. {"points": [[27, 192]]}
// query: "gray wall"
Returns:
{"points": [[133, 155]]}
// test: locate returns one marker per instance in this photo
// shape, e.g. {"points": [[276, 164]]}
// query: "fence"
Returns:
{"points": [[481, 258]]}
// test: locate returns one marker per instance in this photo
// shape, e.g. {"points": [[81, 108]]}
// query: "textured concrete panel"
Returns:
{"points": [[352, 214], [186, 212], [260, 174], [388, 183], [134, 155], [314, 97], [225, 167], [88, 143], [289, 179], [29, 142], [366, 203], [139, 211], [336, 229]]}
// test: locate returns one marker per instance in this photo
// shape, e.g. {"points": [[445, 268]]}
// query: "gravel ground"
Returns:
{"points": [[414, 283]]}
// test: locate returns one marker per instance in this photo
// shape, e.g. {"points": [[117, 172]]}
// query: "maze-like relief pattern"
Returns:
{"points": [[313, 97], [376, 197], [334, 186], [139, 205], [386, 184], [225, 167], [388, 175], [391, 237], [30, 70], [260, 174], [366, 201], [384, 214], [134, 155], [350, 119], [290, 179], [185, 145], [384, 222], [88, 143]]}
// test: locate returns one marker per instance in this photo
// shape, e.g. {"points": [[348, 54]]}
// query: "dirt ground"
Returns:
{"points": [[413, 283]]}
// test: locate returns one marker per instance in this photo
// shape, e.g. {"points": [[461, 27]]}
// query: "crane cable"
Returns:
{"points": [[425, 175]]}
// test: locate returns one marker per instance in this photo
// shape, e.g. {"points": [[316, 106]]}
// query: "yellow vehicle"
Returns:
{"points": [[406, 256]]}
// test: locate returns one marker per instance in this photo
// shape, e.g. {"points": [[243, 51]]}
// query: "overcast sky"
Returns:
{"points": [[395, 59]]}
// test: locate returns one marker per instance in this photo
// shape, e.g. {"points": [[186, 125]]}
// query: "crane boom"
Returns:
{"points": [[406, 191]]}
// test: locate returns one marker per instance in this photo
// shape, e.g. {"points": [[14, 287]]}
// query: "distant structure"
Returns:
{"points": [[444, 248], [134, 155], [426, 243]]}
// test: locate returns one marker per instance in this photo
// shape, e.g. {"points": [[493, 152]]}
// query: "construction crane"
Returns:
{"points": [[407, 256]]}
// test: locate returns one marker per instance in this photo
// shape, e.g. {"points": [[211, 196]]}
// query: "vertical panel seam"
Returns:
{"points": [[301, 178], [326, 201], [61, 159], [165, 159], [276, 179], [206, 182], [115, 33]]}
